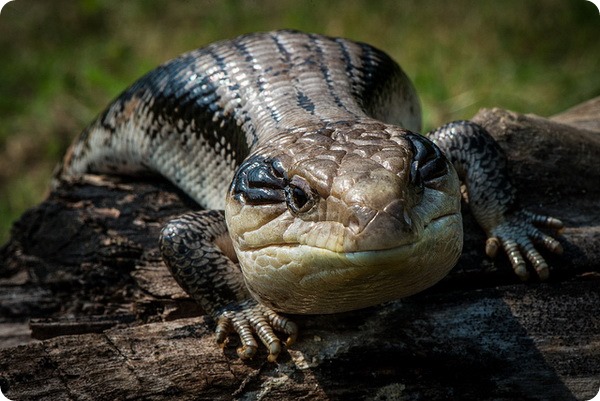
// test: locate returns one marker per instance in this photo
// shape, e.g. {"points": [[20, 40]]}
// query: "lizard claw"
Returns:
{"points": [[249, 318], [517, 235]]}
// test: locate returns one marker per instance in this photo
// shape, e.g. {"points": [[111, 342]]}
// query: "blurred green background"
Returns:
{"points": [[62, 61]]}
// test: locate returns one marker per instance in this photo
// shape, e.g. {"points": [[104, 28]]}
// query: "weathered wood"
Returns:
{"points": [[84, 268], [505, 343]]}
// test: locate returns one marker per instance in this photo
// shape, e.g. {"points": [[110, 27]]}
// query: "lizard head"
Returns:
{"points": [[343, 217]]}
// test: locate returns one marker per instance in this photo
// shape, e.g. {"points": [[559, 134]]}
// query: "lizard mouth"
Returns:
{"points": [[306, 279]]}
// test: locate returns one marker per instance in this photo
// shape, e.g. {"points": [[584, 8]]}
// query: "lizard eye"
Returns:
{"points": [[299, 196]]}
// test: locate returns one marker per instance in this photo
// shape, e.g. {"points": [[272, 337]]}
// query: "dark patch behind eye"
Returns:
{"points": [[258, 181], [428, 161]]}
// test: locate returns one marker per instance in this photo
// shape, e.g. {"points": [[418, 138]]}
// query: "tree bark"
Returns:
{"points": [[89, 311]]}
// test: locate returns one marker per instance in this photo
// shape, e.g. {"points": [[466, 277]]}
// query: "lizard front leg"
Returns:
{"points": [[482, 166], [197, 249]]}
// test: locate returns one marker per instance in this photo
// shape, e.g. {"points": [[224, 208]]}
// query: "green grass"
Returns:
{"points": [[64, 60]]}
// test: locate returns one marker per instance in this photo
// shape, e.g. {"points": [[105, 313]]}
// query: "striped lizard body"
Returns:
{"points": [[318, 195]]}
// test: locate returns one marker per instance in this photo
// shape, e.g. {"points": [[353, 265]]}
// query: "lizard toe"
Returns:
{"points": [[249, 320]]}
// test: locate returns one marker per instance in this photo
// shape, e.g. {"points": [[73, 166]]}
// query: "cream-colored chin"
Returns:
{"points": [[307, 280]]}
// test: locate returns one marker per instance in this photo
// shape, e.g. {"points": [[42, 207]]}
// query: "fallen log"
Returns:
{"points": [[83, 273]]}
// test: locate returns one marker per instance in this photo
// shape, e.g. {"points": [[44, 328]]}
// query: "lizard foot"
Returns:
{"points": [[249, 318], [517, 235]]}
